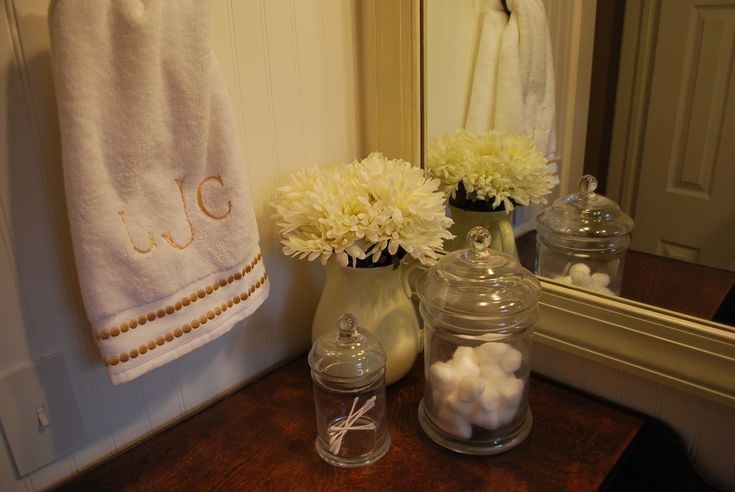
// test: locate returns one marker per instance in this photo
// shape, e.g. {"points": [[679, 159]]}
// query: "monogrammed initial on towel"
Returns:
{"points": [[164, 233]]}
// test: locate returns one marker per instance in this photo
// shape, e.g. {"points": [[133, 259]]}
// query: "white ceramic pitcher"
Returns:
{"points": [[380, 299]]}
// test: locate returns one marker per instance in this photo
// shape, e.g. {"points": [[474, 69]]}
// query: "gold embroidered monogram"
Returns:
{"points": [[151, 242], [168, 236], [201, 204]]}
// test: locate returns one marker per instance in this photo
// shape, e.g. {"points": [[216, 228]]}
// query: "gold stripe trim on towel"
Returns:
{"points": [[186, 328], [178, 305]]}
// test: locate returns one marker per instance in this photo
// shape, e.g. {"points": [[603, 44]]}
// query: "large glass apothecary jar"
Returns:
{"points": [[582, 239], [479, 306]]}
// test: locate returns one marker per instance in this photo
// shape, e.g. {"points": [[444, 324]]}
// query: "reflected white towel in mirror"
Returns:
{"points": [[481, 108], [513, 86]]}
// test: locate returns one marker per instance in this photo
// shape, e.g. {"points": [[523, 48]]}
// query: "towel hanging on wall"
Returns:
{"points": [[164, 233], [519, 94]]}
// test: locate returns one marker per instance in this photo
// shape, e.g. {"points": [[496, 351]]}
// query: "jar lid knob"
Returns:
{"points": [[479, 239], [347, 324], [587, 185]]}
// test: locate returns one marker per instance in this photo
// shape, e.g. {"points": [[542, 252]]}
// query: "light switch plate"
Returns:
{"points": [[31, 396]]}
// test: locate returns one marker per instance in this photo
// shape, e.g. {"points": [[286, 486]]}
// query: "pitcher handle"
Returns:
{"points": [[411, 272], [507, 237]]}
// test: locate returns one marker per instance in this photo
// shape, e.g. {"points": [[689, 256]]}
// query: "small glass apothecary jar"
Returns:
{"points": [[348, 374], [582, 240], [479, 306]]}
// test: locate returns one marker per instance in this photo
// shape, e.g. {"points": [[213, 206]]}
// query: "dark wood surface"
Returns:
{"points": [[684, 287], [262, 438], [677, 285]]}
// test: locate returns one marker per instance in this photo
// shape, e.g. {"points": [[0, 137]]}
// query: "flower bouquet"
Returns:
{"points": [[372, 212], [361, 219], [490, 170], [485, 175]]}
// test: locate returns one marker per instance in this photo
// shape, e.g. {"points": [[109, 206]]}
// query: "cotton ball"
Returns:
{"points": [[462, 408], [580, 268], [439, 398], [464, 366], [454, 424], [443, 376], [486, 419], [511, 361], [491, 370], [470, 388], [505, 415], [465, 352], [490, 397], [491, 351], [605, 290], [581, 277], [600, 279], [511, 391], [563, 279]]}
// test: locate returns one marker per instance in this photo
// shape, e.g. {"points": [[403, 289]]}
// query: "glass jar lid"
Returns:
{"points": [[479, 288], [585, 214], [347, 353]]}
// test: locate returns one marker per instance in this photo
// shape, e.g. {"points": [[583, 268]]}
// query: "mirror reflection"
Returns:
{"points": [[658, 138]]}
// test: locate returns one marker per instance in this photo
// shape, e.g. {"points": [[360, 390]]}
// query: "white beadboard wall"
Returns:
{"points": [[292, 73]]}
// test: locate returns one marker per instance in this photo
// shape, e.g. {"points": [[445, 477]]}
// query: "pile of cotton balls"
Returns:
{"points": [[476, 386], [581, 276]]}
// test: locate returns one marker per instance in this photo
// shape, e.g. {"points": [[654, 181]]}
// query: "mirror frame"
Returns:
{"points": [[684, 352]]}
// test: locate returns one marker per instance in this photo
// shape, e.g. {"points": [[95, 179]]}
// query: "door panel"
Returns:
{"points": [[685, 206]]}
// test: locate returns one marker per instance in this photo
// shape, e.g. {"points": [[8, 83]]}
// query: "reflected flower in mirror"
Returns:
{"points": [[498, 168]]}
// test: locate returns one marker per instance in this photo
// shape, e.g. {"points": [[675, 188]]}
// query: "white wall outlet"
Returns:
{"points": [[39, 413]]}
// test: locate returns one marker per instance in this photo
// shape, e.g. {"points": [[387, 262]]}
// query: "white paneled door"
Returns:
{"points": [[684, 204]]}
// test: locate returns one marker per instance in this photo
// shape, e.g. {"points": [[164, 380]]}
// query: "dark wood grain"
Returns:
{"points": [[677, 285], [262, 438], [684, 287]]}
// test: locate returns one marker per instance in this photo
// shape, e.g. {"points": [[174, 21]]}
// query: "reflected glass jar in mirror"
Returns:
{"points": [[582, 240], [479, 306]]}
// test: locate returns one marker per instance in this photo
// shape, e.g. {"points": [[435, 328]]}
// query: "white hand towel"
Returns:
{"points": [[537, 72], [164, 233], [510, 106], [481, 108], [518, 63]]}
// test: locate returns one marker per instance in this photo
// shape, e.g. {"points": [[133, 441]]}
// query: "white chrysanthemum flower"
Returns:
{"points": [[503, 167], [363, 210]]}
